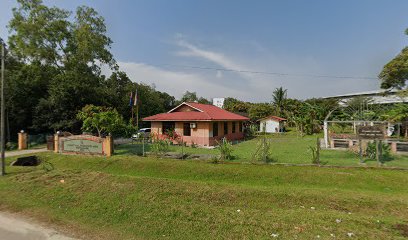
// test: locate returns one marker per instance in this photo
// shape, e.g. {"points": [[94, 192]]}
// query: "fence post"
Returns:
{"points": [[360, 152], [318, 150], [143, 145], [377, 151]]}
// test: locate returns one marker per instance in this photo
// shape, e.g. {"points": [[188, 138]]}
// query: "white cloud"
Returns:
{"points": [[241, 85], [175, 82]]}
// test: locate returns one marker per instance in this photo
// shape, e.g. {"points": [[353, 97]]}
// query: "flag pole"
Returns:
{"points": [[137, 115], [132, 115]]}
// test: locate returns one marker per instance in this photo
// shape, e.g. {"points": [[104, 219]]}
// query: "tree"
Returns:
{"points": [[46, 34], [260, 110], [66, 52], [103, 120], [189, 97], [395, 73], [278, 99], [235, 105]]}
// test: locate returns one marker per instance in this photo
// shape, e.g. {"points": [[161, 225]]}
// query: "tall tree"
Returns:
{"points": [[395, 73], [75, 46], [278, 99], [189, 97]]}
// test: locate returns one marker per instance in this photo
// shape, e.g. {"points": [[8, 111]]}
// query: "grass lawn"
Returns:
{"points": [[288, 148], [131, 197]]}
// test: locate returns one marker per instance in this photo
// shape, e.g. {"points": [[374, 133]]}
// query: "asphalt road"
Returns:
{"points": [[17, 228]]}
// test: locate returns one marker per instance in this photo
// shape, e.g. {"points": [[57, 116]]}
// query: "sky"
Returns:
{"points": [[303, 46]]}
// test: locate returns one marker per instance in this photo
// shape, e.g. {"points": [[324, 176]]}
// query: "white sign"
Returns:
{"points": [[219, 102]]}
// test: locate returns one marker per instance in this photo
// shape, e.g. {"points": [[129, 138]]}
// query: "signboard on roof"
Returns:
{"points": [[219, 102]]}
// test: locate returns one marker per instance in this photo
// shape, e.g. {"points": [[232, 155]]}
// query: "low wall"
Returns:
{"points": [[396, 145]]}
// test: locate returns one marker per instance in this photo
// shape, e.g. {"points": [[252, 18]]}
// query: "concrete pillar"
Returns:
{"points": [[108, 146], [326, 134], [331, 143], [350, 144], [22, 140], [394, 147]]}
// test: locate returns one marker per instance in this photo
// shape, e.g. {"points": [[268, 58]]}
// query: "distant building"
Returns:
{"points": [[197, 123], [272, 124], [219, 102], [377, 97]]}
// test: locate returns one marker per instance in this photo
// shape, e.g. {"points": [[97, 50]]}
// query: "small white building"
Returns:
{"points": [[272, 124]]}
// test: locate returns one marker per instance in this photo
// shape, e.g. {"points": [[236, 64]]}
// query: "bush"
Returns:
{"points": [[263, 151], [11, 146], [371, 151], [225, 148], [251, 131], [160, 147], [315, 159]]}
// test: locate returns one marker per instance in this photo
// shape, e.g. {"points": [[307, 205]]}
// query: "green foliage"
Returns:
{"points": [[235, 105], [260, 110], [395, 73], [160, 147], [385, 151], [11, 146], [55, 65], [251, 131], [225, 148], [278, 99], [397, 113], [263, 150], [102, 119], [189, 97], [314, 152]]}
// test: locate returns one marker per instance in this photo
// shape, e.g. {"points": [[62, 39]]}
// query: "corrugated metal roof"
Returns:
{"points": [[204, 112]]}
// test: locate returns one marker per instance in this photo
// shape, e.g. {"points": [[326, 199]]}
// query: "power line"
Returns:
{"points": [[262, 72]]}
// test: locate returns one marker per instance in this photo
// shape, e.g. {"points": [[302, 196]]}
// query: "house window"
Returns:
{"points": [[215, 129], [186, 129], [240, 126], [233, 127], [168, 127], [225, 128]]}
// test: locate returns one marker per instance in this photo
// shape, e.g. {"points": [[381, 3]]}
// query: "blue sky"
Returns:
{"points": [[153, 39]]}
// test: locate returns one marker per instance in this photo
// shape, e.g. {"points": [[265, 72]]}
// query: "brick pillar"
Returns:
{"points": [[22, 140], [56, 142], [108, 146]]}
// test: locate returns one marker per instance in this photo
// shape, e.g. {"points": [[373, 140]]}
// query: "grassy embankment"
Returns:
{"points": [[130, 197]]}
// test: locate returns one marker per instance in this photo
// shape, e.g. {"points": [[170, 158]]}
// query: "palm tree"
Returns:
{"points": [[278, 99]]}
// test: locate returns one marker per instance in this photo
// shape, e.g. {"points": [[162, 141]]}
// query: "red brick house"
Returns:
{"points": [[197, 123]]}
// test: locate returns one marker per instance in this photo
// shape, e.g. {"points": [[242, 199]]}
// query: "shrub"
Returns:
{"points": [[225, 148], [263, 151], [11, 146], [251, 131], [314, 157], [371, 151], [160, 147]]}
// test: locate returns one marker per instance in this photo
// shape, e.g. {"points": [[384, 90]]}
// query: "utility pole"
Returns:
{"points": [[2, 137]]}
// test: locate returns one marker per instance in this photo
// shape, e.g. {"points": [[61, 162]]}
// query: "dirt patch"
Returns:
{"points": [[402, 228]]}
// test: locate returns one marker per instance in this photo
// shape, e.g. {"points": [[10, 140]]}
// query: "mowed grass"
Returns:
{"points": [[285, 148], [131, 197]]}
